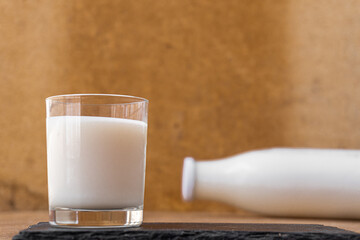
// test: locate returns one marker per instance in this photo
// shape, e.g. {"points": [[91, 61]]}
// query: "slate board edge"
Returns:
{"points": [[132, 233]]}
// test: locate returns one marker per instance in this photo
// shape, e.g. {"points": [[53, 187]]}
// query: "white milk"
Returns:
{"points": [[96, 162]]}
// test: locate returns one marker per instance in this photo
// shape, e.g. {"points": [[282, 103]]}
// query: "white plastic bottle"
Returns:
{"points": [[288, 182]]}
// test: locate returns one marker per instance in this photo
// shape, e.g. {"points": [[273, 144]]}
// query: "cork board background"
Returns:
{"points": [[222, 77]]}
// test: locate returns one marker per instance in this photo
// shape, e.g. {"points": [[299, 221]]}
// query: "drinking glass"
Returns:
{"points": [[96, 151]]}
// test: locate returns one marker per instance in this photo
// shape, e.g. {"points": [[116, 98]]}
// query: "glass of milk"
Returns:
{"points": [[96, 150]]}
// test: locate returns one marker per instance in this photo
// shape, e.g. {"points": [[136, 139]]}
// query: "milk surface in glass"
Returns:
{"points": [[96, 162]]}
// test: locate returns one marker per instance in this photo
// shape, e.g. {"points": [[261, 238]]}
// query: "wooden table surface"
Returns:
{"points": [[12, 222]]}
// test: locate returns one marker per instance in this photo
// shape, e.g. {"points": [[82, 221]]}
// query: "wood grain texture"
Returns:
{"points": [[222, 77]]}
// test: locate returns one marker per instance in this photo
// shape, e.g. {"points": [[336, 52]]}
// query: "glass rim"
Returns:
{"points": [[59, 97]]}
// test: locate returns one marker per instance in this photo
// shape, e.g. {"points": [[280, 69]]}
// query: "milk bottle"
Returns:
{"points": [[280, 182]]}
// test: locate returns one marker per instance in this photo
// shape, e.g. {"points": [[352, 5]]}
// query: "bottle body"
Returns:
{"points": [[284, 182]]}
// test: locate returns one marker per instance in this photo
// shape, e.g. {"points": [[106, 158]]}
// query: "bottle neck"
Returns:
{"points": [[214, 180]]}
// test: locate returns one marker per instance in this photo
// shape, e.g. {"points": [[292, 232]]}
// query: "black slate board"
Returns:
{"points": [[43, 230]]}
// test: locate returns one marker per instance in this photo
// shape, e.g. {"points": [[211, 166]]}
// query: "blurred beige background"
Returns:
{"points": [[222, 77]]}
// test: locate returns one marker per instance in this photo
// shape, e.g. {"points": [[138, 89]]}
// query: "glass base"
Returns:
{"points": [[67, 217]]}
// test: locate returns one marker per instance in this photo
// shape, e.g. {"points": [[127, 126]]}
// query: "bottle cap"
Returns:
{"points": [[188, 179]]}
